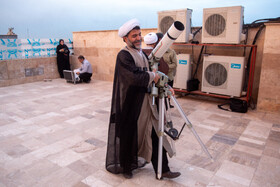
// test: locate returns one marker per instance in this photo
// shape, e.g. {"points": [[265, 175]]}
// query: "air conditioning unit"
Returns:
{"points": [[223, 25], [223, 75], [183, 73], [167, 18]]}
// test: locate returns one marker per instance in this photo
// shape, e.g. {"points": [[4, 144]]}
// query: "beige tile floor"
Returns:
{"points": [[55, 133]]}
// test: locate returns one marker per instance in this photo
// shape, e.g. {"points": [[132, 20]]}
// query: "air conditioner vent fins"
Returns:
{"points": [[216, 74], [166, 23], [215, 24]]}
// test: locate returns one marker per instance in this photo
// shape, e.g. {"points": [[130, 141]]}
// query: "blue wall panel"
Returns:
{"points": [[30, 48]]}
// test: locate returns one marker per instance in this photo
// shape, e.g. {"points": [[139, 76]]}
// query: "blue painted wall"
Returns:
{"points": [[30, 48]]}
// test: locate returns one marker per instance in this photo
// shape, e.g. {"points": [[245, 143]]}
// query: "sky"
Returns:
{"points": [[59, 18]]}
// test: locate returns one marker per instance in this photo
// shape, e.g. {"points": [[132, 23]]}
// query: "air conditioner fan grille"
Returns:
{"points": [[165, 23], [215, 24], [215, 74]]}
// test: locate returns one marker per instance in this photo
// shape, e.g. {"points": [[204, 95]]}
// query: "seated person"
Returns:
{"points": [[84, 73]]}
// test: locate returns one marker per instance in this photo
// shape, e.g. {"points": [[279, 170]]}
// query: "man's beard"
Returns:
{"points": [[131, 44]]}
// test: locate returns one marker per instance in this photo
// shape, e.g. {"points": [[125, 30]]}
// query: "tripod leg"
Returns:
{"points": [[167, 110], [160, 136], [184, 116]]}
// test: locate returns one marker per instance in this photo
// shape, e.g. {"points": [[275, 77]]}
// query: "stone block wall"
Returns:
{"points": [[269, 90], [20, 71], [100, 48]]}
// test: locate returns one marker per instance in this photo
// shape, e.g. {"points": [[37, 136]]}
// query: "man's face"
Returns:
{"points": [[134, 39], [80, 60]]}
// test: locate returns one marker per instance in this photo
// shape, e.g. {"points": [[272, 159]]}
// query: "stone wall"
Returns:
{"points": [[21, 71], [269, 90], [100, 48]]}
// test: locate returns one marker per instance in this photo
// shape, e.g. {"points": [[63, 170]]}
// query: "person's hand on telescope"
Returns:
{"points": [[156, 76], [172, 91]]}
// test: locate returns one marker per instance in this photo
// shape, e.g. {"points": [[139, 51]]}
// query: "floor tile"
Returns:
{"points": [[51, 136], [236, 173]]}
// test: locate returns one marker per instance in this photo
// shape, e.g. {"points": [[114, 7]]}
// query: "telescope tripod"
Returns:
{"points": [[173, 133]]}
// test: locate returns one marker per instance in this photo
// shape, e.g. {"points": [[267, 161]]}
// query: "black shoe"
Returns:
{"points": [[170, 175], [171, 106], [128, 175]]}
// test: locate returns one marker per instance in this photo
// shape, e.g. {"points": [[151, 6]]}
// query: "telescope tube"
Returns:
{"points": [[168, 39]]}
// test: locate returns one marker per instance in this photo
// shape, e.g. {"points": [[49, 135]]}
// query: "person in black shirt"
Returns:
{"points": [[62, 58]]}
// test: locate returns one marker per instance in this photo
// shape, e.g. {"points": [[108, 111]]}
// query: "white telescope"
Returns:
{"points": [[159, 90], [170, 36], [168, 39]]}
